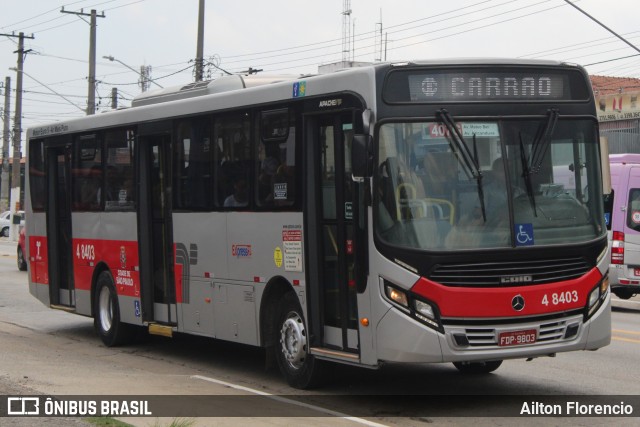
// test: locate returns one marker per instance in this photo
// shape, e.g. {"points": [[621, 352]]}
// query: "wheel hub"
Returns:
{"points": [[106, 309], [293, 341]]}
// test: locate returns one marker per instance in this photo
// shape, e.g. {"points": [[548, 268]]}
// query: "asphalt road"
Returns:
{"points": [[45, 351]]}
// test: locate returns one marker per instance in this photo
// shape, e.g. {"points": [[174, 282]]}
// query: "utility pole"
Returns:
{"points": [[91, 93], [200, 44], [346, 28], [114, 98], [4, 200], [14, 203]]}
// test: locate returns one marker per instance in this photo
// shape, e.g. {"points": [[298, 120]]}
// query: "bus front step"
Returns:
{"points": [[162, 330], [326, 353]]}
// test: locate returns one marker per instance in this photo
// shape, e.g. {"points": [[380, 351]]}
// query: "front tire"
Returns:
{"points": [[5, 232], [477, 367], [106, 313], [300, 369], [22, 263]]}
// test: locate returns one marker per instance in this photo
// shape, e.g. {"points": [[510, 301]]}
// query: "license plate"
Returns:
{"points": [[528, 336]]}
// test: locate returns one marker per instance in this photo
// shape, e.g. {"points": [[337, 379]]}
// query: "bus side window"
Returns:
{"points": [[232, 160], [193, 163], [36, 175], [87, 174], [276, 159], [119, 190]]}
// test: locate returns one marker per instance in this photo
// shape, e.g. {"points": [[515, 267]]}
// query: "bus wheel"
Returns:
{"points": [[623, 293], [477, 367], [22, 263], [106, 311], [300, 369]]}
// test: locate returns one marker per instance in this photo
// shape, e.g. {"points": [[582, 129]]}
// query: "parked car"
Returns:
{"points": [[22, 261], [5, 222]]}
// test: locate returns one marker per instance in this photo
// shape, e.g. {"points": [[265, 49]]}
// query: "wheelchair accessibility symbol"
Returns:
{"points": [[524, 234]]}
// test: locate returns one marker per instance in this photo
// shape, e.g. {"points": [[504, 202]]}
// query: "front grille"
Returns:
{"points": [[487, 337], [492, 274]]}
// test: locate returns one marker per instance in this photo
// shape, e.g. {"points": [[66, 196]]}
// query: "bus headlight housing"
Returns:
{"points": [[427, 313], [396, 295], [597, 297], [422, 310]]}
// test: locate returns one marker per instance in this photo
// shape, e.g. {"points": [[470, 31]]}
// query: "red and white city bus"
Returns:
{"points": [[414, 212]]}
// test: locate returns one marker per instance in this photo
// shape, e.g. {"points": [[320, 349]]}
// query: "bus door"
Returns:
{"points": [[155, 228], [330, 223], [61, 286]]}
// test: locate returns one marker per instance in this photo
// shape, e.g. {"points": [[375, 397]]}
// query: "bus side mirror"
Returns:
{"points": [[362, 156]]}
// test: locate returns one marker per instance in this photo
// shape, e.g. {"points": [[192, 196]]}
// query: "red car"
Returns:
{"points": [[22, 262]]}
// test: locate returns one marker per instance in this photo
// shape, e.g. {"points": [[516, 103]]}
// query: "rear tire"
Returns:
{"points": [[300, 369], [477, 367], [623, 293], [106, 312], [22, 263]]}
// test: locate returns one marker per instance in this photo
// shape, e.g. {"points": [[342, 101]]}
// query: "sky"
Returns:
{"points": [[289, 37]]}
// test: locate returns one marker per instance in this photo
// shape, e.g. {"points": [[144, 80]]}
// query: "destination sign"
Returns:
{"points": [[425, 86]]}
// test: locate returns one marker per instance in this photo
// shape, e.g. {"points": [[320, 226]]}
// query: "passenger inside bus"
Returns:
{"points": [[239, 197]]}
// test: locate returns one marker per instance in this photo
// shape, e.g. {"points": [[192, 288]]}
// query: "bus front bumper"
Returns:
{"points": [[403, 339]]}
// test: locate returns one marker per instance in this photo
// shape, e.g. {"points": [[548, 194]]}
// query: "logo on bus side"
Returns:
{"points": [[241, 251], [330, 103]]}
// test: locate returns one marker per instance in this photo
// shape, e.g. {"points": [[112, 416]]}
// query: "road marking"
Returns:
{"points": [[622, 331], [290, 401], [625, 339]]}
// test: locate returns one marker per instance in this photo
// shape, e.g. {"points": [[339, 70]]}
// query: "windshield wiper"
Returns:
{"points": [[540, 144], [469, 161], [526, 174], [543, 141]]}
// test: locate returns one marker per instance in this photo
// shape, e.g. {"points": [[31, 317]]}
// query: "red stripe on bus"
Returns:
{"points": [[120, 256], [497, 302], [39, 260]]}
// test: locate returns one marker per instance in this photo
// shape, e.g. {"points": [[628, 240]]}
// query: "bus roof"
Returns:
{"points": [[624, 158], [237, 91]]}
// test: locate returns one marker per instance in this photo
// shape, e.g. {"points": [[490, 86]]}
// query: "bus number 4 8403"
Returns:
{"points": [[567, 297], [86, 252]]}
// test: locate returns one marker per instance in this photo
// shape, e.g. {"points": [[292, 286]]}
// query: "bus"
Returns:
{"points": [[418, 212]]}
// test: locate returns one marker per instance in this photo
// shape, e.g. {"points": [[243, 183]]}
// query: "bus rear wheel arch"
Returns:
{"points": [[477, 367]]}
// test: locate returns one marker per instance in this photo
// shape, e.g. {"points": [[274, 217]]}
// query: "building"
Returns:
{"points": [[618, 100]]}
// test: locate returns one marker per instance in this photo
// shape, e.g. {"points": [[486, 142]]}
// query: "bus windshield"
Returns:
{"points": [[492, 184]]}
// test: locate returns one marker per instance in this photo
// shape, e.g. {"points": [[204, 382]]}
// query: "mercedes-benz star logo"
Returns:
{"points": [[517, 303]]}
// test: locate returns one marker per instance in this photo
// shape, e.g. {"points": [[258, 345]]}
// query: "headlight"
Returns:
{"points": [[426, 313], [412, 305], [596, 297], [593, 296], [424, 309], [396, 295]]}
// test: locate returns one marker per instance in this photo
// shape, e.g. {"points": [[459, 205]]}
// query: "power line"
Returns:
{"points": [[603, 26]]}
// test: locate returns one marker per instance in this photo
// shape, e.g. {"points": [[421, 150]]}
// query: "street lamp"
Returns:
{"points": [[111, 58]]}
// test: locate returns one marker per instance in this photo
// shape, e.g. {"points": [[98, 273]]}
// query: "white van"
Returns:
{"points": [[624, 271]]}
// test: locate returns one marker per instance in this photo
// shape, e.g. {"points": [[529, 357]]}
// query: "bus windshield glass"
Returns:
{"points": [[446, 186]]}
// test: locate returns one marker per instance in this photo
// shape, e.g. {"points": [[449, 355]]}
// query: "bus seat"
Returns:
{"points": [[444, 208]]}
